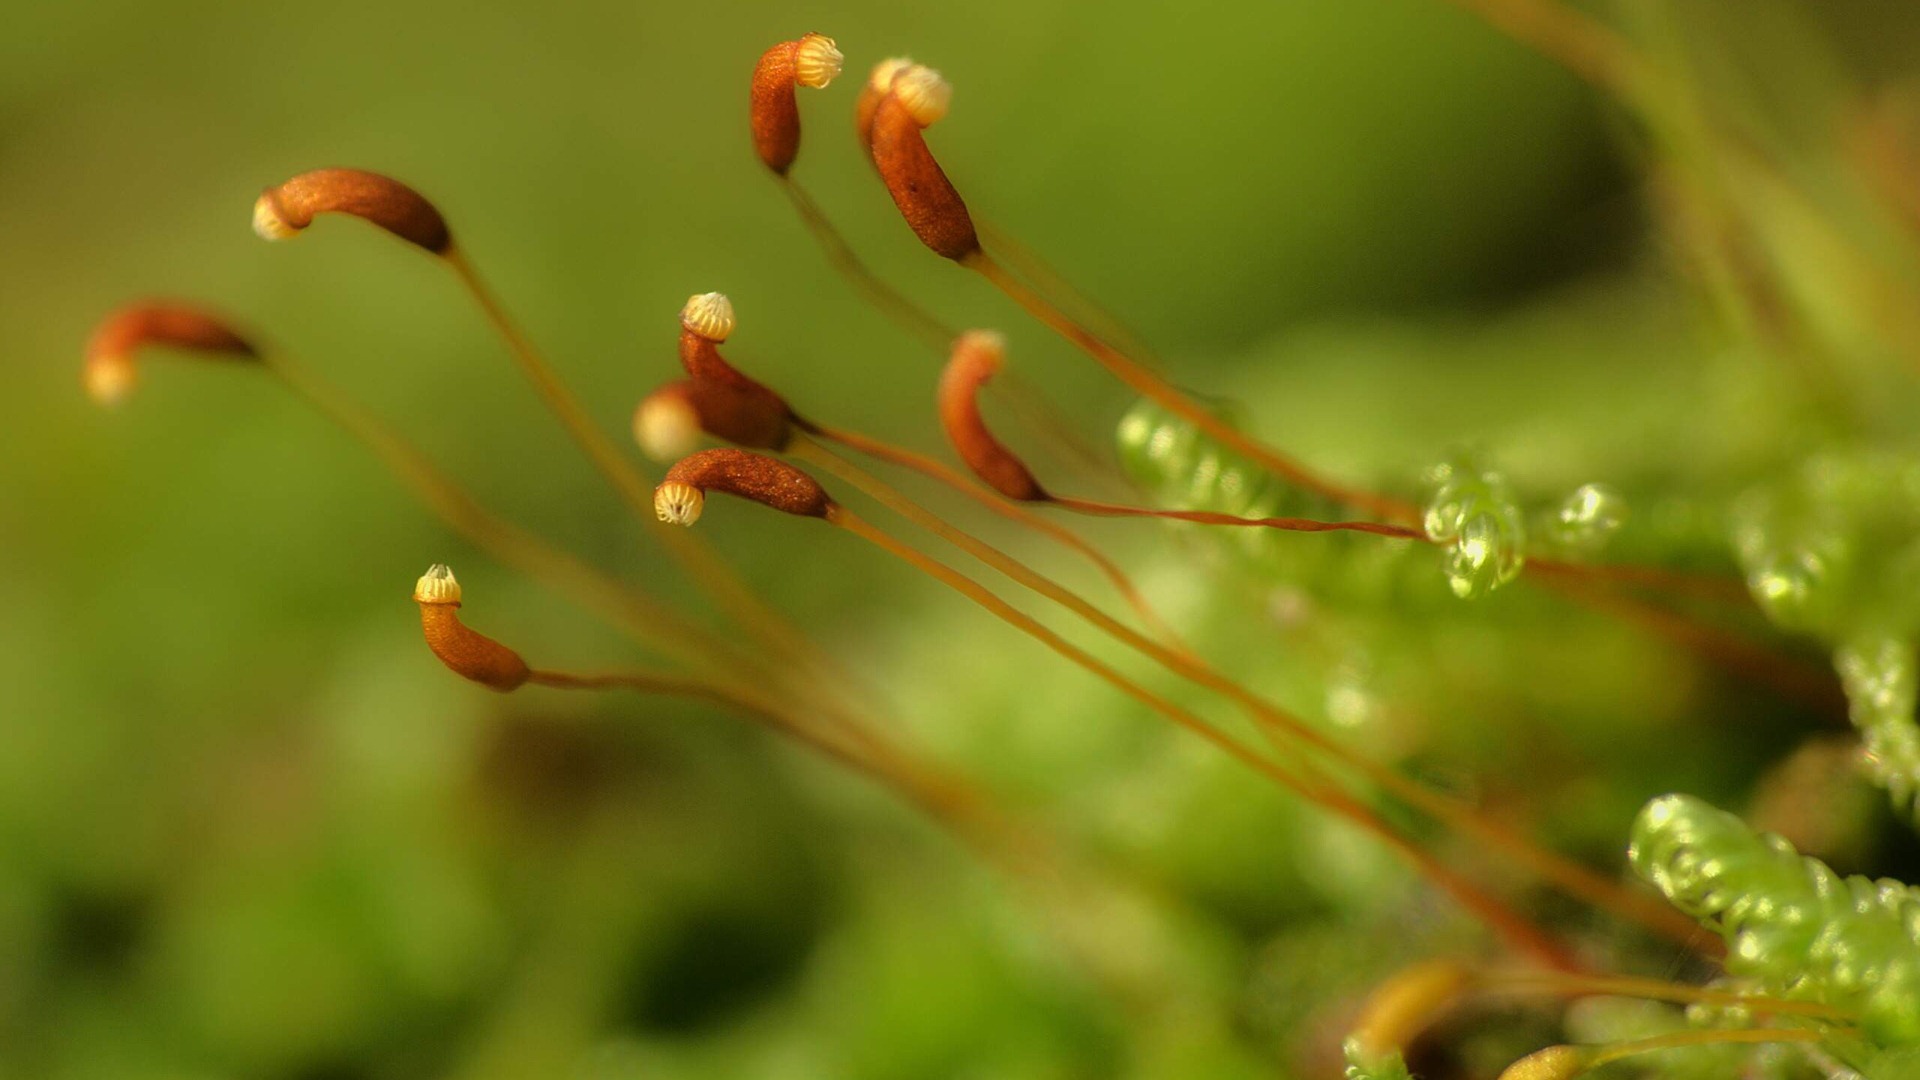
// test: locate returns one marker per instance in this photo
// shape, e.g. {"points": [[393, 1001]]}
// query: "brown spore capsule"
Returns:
{"points": [[743, 474], [730, 406], [282, 212], [878, 85], [467, 653], [920, 188], [812, 61], [109, 370], [976, 358]]}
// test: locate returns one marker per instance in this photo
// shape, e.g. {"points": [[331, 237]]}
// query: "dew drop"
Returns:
{"points": [[1473, 513], [1588, 518]]}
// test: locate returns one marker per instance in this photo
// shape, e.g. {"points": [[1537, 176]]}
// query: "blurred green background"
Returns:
{"points": [[249, 827]]}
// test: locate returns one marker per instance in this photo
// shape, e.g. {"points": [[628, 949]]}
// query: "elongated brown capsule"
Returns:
{"points": [[920, 188], [466, 653], [109, 372], [879, 83], [741, 473], [812, 61], [281, 212], [976, 358], [730, 406]]}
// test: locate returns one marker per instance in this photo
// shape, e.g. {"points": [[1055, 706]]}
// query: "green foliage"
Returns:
{"points": [[1899, 1064], [1792, 925], [1361, 1066], [1879, 676], [1833, 550], [1182, 466], [1179, 466]]}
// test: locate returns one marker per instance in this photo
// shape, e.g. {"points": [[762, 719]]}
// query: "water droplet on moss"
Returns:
{"points": [[1585, 520], [1473, 513], [1792, 587]]}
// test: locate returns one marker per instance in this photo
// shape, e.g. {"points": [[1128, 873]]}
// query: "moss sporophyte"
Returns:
{"points": [[1800, 958]]}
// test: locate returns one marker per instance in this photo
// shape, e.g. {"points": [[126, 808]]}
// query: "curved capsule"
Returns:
{"points": [[740, 473], [467, 653], [730, 406], [812, 61], [976, 358], [109, 370], [282, 212], [920, 188]]}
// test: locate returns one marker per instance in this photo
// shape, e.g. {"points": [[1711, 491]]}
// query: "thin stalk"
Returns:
{"points": [[1059, 887], [1576, 880], [938, 797], [1148, 384], [640, 682], [1704, 586], [1813, 688], [1558, 985], [939, 471], [667, 685], [1599, 1056], [890, 301], [1028, 264], [1049, 880], [1020, 397], [1210, 517], [1510, 925]]}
